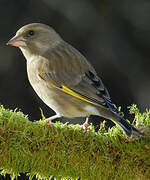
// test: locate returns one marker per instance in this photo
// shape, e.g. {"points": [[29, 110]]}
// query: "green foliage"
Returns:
{"points": [[65, 151]]}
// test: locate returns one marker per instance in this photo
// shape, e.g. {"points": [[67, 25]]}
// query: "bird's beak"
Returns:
{"points": [[17, 41]]}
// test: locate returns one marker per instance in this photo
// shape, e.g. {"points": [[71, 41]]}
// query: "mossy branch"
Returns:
{"points": [[66, 151]]}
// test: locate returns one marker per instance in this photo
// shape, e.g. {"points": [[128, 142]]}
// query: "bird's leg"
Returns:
{"points": [[51, 118], [85, 124]]}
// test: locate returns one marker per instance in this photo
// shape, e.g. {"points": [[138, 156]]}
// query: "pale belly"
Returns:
{"points": [[62, 103]]}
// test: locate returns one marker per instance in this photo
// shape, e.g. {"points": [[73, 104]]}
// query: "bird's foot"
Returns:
{"points": [[48, 120], [85, 126]]}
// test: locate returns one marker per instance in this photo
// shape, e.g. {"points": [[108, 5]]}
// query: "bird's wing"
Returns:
{"points": [[67, 70]]}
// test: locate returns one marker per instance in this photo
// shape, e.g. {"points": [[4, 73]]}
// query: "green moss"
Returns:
{"points": [[66, 151]]}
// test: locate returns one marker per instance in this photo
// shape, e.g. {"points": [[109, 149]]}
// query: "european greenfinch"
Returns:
{"points": [[63, 78]]}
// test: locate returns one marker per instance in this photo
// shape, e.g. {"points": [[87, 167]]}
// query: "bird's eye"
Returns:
{"points": [[31, 33]]}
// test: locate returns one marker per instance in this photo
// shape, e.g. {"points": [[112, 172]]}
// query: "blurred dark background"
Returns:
{"points": [[113, 35]]}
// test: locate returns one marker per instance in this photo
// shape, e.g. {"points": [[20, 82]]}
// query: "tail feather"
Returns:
{"points": [[114, 115], [126, 127]]}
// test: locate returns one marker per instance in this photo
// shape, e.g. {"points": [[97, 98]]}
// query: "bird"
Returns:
{"points": [[64, 79]]}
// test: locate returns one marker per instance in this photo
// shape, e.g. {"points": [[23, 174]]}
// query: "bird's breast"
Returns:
{"points": [[45, 92]]}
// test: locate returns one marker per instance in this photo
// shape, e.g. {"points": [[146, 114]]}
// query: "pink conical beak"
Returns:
{"points": [[17, 41]]}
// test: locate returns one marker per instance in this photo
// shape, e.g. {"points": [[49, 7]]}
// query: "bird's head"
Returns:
{"points": [[35, 38]]}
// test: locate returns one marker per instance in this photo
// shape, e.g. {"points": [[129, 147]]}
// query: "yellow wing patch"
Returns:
{"points": [[73, 93]]}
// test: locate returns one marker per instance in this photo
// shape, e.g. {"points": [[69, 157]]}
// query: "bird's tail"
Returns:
{"points": [[125, 126], [113, 114]]}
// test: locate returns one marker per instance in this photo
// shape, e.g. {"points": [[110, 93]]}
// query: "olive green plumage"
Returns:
{"points": [[63, 78]]}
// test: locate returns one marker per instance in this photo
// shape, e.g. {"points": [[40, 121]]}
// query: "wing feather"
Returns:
{"points": [[75, 76]]}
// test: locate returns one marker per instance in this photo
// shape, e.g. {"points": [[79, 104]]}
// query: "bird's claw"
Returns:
{"points": [[48, 123], [85, 126]]}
